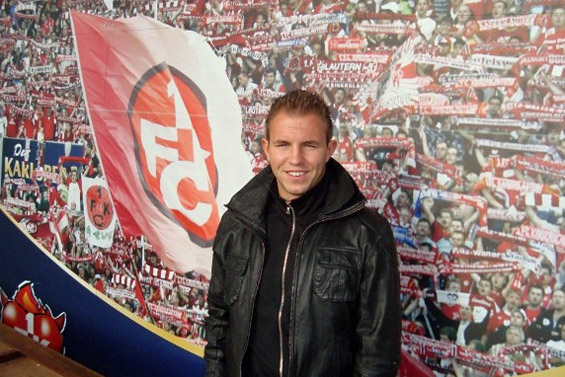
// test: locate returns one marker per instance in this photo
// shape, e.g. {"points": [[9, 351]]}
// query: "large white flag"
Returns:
{"points": [[168, 127]]}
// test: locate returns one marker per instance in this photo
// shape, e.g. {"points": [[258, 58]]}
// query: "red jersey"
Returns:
{"points": [[482, 306], [258, 163], [532, 314], [502, 318], [48, 127], [438, 232], [451, 311], [11, 128], [30, 128], [345, 148]]}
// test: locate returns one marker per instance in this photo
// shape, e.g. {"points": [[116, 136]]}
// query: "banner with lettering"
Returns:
{"points": [[23, 158]]}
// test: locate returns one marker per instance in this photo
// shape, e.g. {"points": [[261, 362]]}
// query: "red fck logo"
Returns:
{"points": [[27, 315], [99, 207], [174, 150]]}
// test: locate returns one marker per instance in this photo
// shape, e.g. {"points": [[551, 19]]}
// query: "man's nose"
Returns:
{"points": [[296, 155]]}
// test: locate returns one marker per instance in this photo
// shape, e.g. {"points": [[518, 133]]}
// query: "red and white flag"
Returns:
{"points": [[167, 124], [58, 222], [99, 219]]}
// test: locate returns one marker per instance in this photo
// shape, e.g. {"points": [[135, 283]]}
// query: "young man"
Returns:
{"points": [[304, 278]]}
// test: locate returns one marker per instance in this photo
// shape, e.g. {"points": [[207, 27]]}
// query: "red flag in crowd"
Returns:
{"points": [[411, 366], [167, 124]]}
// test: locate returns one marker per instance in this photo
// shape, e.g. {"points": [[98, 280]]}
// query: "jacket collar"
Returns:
{"points": [[249, 203]]}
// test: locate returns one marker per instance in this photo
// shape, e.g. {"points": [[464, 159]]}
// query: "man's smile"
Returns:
{"points": [[296, 173]]}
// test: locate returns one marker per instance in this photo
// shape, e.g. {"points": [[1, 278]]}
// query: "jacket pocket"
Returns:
{"points": [[336, 277], [235, 267]]}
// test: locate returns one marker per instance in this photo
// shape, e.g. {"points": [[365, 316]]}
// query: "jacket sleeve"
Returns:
{"points": [[379, 323], [217, 322]]}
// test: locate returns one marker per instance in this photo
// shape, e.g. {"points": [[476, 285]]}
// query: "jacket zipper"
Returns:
{"points": [[289, 210], [345, 213]]}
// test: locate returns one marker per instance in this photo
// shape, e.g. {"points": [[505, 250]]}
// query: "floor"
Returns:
{"points": [[22, 357]]}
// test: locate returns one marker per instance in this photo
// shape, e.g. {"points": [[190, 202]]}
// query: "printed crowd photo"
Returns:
{"points": [[127, 127]]}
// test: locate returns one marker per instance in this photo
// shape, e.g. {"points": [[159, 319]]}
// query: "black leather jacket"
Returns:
{"points": [[344, 309]]}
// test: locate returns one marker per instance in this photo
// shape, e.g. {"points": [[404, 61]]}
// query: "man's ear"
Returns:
{"points": [[332, 145], [265, 145]]}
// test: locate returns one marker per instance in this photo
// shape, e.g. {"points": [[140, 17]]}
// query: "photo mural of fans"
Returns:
{"points": [[449, 114]]}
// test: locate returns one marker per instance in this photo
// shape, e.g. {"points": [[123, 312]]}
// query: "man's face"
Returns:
{"points": [[260, 20], [535, 296], [243, 79], [441, 151], [456, 239], [317, 49], [403, 200], [484, 287], [387, 132], [513, 300], [421, 7], [298, 151], [498, 9], [559, 300], [387, 166], [452, 156], [463, 14], [465, 313], [423, 229], [454, 286], [516, 319], [468, 183], [513, 336], [270, 78], [558, 18], [456, 226], [498, 281], [339, 96], [445, 220], [405, 215], [553, 137], [494, 105], [444, 28]]}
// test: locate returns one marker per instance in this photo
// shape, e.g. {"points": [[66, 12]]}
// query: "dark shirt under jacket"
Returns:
{"points": [[263, 353]]}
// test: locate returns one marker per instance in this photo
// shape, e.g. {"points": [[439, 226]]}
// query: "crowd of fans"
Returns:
{"points": [[449, 115], [41, 100]]}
